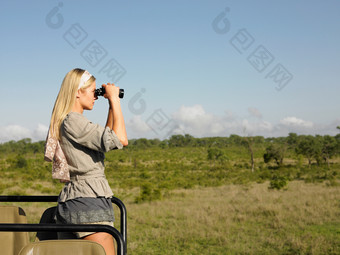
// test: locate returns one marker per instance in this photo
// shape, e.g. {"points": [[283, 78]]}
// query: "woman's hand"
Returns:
{"points": [[111, 91]]}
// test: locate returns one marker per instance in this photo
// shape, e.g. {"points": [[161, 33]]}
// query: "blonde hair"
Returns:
{"points": [[66, 98]]}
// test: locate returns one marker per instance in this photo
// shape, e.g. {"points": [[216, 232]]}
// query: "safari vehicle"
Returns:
{"points": [[14, 238]]}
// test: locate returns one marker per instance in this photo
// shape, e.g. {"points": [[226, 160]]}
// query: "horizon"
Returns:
{"points": [[168, 138]]}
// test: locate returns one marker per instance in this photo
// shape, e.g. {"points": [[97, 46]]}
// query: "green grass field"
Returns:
{"points": [[180, 202], [239, 219]]}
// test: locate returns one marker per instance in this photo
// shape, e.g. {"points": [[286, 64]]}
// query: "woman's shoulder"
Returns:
{"points": [[74, 122], [75, 117]]}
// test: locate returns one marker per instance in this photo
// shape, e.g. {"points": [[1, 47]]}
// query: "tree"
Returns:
{"points": [[142, 143], [216, 154], [292, 140], [337, 139], [310, 147], [180, 140], [248, 142], [275, 151], [235, 139], [329, 148]]}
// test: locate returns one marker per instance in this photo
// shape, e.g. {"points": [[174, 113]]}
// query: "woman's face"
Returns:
{"points": [[87, 97]]}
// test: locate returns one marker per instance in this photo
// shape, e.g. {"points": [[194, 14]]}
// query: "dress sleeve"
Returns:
{"points": [[80, 130]]}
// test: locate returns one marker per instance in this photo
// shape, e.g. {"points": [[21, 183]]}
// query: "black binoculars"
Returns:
{"points": [[101, 92]]}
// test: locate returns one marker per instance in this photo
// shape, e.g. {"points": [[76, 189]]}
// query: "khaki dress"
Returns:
{"points": [[87, 197]]}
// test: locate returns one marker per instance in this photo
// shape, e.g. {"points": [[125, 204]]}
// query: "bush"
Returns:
{"points": [[216, 154], [148, 193], [278, 182], [21, 162]]}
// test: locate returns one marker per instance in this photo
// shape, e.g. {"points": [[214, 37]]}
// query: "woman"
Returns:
{"points": [[77, 146]]}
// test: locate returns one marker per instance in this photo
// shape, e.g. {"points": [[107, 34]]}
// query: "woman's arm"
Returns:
{"points": [[109, 121], [115, 119]]}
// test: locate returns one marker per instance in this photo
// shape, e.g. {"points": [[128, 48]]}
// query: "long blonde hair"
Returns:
{"points": [[66, 99]]}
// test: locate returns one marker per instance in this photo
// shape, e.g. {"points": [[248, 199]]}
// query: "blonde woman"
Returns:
{"points": [[77, 146]]}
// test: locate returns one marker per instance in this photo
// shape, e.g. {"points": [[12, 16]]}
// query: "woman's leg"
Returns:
{"points": [[105, 239]]}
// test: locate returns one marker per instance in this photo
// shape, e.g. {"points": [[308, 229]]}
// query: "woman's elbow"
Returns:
{"points": [[124, 142]]}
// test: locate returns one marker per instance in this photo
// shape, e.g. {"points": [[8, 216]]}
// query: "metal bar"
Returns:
{"points": [[115, 200], [28, 198], [121, 247], [123, 217]]}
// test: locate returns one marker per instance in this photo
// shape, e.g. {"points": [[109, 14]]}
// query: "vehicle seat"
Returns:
{"points": [[65, 247], [47, 217], [12, 242]]}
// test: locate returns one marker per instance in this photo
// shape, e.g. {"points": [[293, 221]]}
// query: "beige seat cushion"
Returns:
{"points": [[12, 242], [64, 247]]}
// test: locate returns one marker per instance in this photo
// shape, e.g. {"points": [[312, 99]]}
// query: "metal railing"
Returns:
{"points": [[120, 237]]}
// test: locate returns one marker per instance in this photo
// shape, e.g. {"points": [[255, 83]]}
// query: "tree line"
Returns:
{"points": [[317, 148]]}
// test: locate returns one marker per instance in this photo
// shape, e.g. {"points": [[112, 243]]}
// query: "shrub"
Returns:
{"points": [[21, 162], [148, 193], [216, 154], [278, 182]]}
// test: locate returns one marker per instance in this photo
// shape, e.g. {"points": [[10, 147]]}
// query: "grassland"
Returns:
{"points": [[180, 202], [239, 219]]}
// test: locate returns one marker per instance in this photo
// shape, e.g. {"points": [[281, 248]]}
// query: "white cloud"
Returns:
{"points": [[254, 128], [17, 132], [296, 125], [194, 120], [293, 121], [136, 127], [13, 132], [40, 133], [191, 113]]}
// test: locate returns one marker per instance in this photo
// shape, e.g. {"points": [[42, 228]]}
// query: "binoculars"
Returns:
{"points": [[101, 92]]}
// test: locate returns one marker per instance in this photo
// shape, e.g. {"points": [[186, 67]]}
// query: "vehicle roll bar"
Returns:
{"points": [[121, 237], [15, 227]]}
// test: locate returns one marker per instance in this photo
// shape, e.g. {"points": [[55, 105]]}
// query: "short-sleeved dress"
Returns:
{"points": [[87, 197]]}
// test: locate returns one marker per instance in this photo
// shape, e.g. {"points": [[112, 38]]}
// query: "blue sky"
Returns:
{"points": [[207, 68]]}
